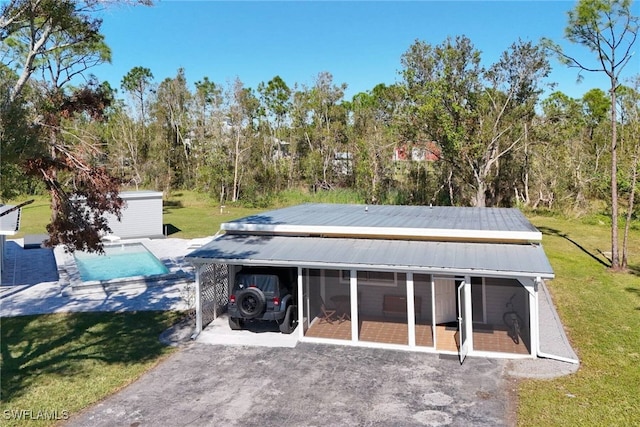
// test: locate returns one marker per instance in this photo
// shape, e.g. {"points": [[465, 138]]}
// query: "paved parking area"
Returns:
{"points": [[309, 385]]}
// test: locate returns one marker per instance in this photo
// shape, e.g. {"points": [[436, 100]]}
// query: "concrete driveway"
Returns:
{"points": [[309, 385]]}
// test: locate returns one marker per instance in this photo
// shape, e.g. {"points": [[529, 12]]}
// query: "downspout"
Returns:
{"points": [[538, 349]]}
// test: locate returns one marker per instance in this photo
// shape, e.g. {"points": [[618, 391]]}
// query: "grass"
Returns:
{"points": [[188, 214], [66, 362], [34, 217], [601, 312]]}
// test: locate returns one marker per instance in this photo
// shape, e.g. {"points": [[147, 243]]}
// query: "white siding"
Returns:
{"points": [[142, 216]]}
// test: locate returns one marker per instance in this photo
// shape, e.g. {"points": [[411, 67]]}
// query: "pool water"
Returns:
{"points": [[119, 261]]}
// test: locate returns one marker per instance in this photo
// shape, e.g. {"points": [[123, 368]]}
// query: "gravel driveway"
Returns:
{"points": [[309, 385]]}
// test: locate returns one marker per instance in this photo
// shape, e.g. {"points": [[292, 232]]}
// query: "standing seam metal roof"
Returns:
{"points": [[528, 260], [444, 221]]}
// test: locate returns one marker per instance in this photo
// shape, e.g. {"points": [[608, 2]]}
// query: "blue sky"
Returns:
{"points": [[360, 43]]}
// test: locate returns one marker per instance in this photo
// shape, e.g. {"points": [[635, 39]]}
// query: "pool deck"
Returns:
{"points": [[34, 283]]}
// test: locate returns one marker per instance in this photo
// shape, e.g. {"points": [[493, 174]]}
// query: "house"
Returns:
{"points": [[426, 152], [422, 278]]}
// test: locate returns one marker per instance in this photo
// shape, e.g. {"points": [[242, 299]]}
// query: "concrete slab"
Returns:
{"points": [[256, 334]]}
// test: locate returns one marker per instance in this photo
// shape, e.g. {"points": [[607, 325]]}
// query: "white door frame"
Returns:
{"points": [[445, 302]]}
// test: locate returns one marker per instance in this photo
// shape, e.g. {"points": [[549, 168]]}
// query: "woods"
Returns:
{"points": [[454, 130]]}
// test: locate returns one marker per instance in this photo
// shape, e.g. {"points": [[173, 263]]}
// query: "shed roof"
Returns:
{"points": [[9, 223], [384, 221], [494, 259]]}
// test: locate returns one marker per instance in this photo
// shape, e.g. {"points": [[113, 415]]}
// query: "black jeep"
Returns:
{"points": [[261, 293]]}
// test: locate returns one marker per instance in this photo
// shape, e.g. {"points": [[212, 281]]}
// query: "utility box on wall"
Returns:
{"points": [[141, 216]]}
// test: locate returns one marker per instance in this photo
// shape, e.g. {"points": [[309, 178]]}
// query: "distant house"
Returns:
{"points": [[343, 163], [427, 152]]}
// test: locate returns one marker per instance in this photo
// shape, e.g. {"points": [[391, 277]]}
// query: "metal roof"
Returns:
{"points": [[10, 222], [385, 221], [491, 259]]}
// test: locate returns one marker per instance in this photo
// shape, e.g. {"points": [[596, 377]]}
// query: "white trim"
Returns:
{"points": [[411, 320], [441, 272], [496, 355], [371, 344], [414, 233], [534, 331], [373, 282], [301, 303], [353, 292], [198, 304], [433, 311]]}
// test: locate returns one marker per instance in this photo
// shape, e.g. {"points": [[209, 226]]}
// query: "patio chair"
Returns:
{"points": [[326, 314]]}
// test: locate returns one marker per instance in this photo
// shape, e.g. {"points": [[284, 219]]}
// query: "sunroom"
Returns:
{"points": [[432, 279]]}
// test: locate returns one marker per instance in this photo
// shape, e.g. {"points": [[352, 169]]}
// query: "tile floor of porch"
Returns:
{"points": [[396, 332]]}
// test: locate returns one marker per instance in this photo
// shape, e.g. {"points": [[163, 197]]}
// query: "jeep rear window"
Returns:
{"points": [[266, 283]]}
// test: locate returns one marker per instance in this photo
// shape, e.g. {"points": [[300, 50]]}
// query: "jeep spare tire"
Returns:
{"points": [[251, 303]]}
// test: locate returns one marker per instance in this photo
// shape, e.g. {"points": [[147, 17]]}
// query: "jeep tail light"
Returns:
{"points": [[232, 299], [276, 300]]}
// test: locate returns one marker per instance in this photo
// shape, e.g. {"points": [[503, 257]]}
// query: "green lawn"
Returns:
{"points": [[68, 362], [187, 214], [601, 312]]}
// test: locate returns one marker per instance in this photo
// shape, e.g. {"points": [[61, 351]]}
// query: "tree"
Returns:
{"points": [[374, 137], [478, 116], [275, 98], [630, 118], [35, 29], [207, 142], [138, 82], [242, 112], [609, 30], [58, 41], [326, 136], [172, 146]]}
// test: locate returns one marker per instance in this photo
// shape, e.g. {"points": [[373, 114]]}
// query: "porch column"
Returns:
{"points": [[534, 323], [411, 311], [353, 290], [467, 309], [198, 301], [301, 303]]}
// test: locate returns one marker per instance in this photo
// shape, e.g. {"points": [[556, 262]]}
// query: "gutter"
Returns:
{"points": [[554, 357]]}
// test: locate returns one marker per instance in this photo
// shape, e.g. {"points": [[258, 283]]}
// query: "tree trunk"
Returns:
{"points": [[615, 261], [634, 180], [235, 168], [480, 199]]}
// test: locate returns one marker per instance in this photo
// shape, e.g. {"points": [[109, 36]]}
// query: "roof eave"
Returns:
{"points": [[403, 269]]}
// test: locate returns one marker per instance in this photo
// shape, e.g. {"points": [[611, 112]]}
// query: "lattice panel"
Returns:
{"points": [[214, 281]]}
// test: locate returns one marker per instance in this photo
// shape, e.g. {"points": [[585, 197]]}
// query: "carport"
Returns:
{"points": [[431, 279]]}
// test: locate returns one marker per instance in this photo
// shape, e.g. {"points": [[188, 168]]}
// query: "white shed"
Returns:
{"points": [[9, 226], [141, 216]]}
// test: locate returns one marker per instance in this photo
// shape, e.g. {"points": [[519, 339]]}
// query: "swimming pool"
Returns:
{"points": [[119, 261]]}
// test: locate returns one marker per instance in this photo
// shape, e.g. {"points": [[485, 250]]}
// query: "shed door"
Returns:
{"points": [[445, 297]]}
